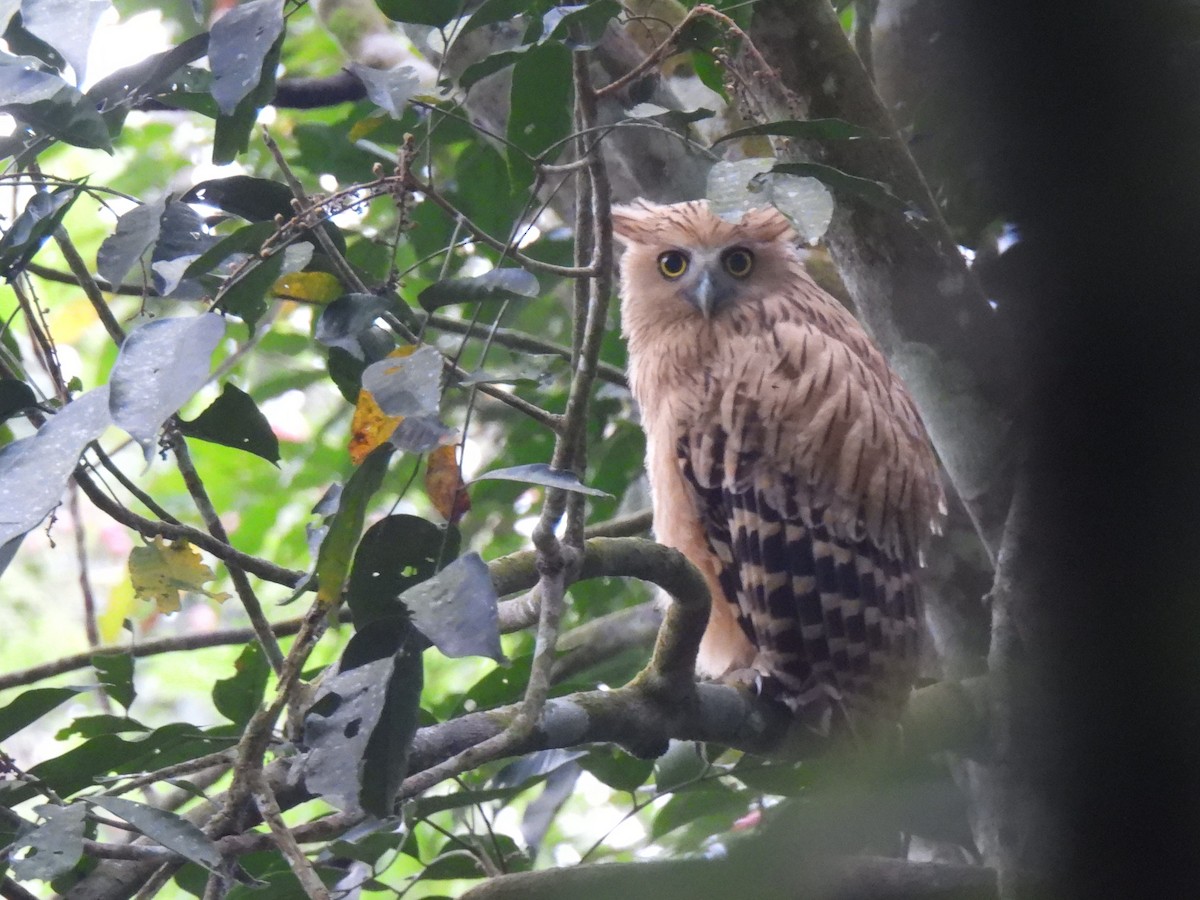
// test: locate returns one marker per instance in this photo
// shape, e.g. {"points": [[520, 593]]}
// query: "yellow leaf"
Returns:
{"points": [[160, 571], [308, 287], [444, 484], [364, 127], [119, 608], [370, 427]]}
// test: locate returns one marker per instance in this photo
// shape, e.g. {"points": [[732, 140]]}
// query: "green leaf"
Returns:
{"points": [[29, 706], [172, 831], [421, 12], [492, 11], [580, 27], [616, 768], [234, 420], [247, 297], [15, 398], [114, 671], [540, 473], [333, 559], [813, 129], [237, 698], [540, 104], [93, 726], [498, 284], [254, 199], [716, 802], [42, 214], [395, 553], [876, 193], [681, 765], [246, 240]]}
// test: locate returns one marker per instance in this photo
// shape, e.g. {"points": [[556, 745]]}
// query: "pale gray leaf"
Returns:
{"points": [[136, 232], [338, 728], [67, 26], [160, 366], [22, 81], [456, 609], [498, 284], [55, 846], [8, 9], [406, 386], [238, 44], [420, 434], [34, 470], [388, 89], [545, 475], [173, 832]]}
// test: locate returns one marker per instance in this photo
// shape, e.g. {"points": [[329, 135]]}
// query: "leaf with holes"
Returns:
{"points": [[360, 726], [55, 846], [114, 671], [395, 553]]}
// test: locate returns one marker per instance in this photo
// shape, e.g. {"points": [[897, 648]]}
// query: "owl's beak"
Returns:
{"points": [[707, 296]]}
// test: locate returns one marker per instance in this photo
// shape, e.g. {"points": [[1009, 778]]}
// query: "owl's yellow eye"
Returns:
{"points": [[738, 262], [673, 263]]}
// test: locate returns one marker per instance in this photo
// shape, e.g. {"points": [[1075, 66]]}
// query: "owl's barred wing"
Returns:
{"points": [[813, 480], [836, 622]]}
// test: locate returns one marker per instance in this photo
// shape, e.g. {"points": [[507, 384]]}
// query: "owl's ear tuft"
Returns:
{"points": [[634, 221], [768, 224]]}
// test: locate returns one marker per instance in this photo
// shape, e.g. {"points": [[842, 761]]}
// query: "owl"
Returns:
{"points": [[786, 461]]}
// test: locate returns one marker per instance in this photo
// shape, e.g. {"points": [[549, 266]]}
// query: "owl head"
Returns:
{"points": [[684, 260]]}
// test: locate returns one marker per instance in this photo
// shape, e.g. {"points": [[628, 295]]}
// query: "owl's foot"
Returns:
{"points": [[749, 679]]}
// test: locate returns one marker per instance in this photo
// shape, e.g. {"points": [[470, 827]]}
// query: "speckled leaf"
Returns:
{"points": [[55, 846], [239, 43], [34, 470], [815, 129], [160, 366], [389, 90], [66, 25], [172, 831], [408, 386], [456, 609]]}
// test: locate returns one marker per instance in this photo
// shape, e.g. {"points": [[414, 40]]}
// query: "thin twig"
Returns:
{"points": [[302, 868], [195, 487], [88, 285], [149, 528]]}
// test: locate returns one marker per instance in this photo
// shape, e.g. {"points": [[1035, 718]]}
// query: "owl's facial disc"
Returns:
{"points": [[710, 292]]}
